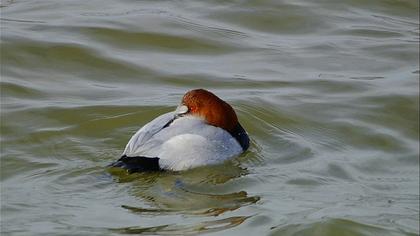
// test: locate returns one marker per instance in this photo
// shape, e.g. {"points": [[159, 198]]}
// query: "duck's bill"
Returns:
{"points": [[181, 109]]}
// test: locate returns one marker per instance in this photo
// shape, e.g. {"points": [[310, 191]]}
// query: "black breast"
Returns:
{"points": [[241, 136]]}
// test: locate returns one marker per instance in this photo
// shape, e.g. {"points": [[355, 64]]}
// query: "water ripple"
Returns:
{"points": [[327, 90]]}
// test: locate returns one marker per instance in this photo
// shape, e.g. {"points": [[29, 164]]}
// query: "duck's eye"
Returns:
{"points": [[181, 109]]}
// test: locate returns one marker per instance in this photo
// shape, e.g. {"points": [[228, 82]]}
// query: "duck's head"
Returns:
{"points": [[204, 104]]}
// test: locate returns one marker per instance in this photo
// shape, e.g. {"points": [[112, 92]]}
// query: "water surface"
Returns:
{"points": [[328, 91]]}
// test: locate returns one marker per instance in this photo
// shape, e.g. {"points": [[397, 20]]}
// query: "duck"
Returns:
{"points": [[203, 130]]}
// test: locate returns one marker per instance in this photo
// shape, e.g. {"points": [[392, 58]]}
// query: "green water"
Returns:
{"points": [[327, 90]]}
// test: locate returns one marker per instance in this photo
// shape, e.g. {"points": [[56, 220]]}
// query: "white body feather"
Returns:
{"points": [[188, 142]]}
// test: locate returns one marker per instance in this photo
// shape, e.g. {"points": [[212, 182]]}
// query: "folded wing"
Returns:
{"points": [[146, 133]]}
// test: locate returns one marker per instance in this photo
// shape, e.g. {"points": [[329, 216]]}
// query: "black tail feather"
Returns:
{"points": [[137, 164]]}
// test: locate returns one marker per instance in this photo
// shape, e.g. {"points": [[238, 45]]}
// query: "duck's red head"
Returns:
{"points": [[214, 110]]}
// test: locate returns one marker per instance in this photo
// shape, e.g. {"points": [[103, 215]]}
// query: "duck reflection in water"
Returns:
{"points": [[203, 191]]}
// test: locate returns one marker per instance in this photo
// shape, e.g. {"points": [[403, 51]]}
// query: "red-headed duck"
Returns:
{"points": [[203, 130]]}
